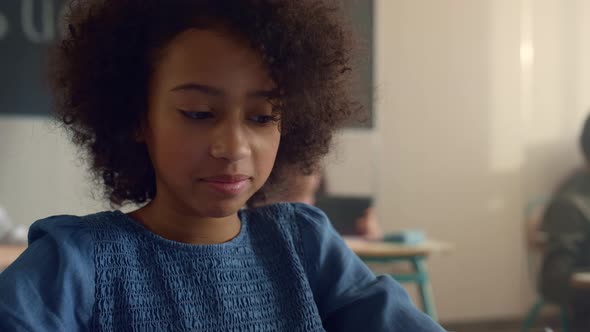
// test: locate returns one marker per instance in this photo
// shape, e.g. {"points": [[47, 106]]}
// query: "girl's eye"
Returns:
{"points": [[264, 119], [197, 115]]}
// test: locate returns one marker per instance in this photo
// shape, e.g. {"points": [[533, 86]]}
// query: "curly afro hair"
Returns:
{"points": [[112, 46]]}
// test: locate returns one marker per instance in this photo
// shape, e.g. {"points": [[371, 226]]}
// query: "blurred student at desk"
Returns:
{"points": [[566, 224], [13, 239], [351, 216]]}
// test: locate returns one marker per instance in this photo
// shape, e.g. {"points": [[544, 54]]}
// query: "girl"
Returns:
{"points": [[190, 109]]}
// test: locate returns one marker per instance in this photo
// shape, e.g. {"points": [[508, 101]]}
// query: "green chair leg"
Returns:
{"points": [[425, 288], [565, 322], [532, 316], [419, 277]]}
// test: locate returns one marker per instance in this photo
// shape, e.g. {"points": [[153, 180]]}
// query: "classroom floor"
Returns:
{"points": [[510, 330], [507, 329], [495, 327]]}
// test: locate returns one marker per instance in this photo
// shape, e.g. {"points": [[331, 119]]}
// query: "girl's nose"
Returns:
{"points": [[230, 142]]}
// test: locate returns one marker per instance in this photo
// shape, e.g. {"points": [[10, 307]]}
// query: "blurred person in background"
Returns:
{"points": [[566, 223], [305, 188]]}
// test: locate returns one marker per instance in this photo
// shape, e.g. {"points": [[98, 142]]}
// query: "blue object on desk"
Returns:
{"points": [[410, 237]]}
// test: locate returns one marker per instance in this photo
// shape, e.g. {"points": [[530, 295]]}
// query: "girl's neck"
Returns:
{"points": [[179, 226]]}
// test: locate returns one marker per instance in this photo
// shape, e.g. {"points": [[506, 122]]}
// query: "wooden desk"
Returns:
{"points": [[363, 248], [581, 280], [387, 252], [378, 249], [8, 253]]}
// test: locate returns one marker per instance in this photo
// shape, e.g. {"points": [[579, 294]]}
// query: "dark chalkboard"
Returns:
{"points": [[27, 28]]}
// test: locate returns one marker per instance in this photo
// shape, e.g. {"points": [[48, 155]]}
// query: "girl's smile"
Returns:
{"points": [[228, 184]]}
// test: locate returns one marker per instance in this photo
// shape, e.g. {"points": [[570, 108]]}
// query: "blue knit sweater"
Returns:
{"points": [[287, 270]]}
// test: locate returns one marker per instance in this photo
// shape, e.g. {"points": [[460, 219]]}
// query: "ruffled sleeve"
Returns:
{"points": [[50, 287]]}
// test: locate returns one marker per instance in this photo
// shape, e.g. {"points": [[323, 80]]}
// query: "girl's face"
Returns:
{"points": [[209, 130]]}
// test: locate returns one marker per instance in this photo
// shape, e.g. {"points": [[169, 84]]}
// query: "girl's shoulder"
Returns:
{"points": [[306, 228], [290, 217], [70, 227]]}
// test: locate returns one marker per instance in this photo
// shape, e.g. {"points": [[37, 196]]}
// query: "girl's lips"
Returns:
{"points": [[231, 185], [226, 178]]}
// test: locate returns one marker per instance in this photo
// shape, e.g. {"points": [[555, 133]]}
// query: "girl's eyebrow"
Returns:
{"points": [[217, 92], [206, 89]]}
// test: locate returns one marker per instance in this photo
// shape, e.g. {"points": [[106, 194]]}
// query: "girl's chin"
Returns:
{"points": [[220, 209]]}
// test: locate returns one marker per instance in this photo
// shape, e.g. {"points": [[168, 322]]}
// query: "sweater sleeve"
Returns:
{"points": [[50, 287], [567, 228], [348, 295]]}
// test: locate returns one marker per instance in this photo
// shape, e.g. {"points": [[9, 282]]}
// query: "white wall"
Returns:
{"points": [[39, 172], [468, 133]]}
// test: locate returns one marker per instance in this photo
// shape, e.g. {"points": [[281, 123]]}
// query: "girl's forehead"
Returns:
{"points": [[214, 57]]}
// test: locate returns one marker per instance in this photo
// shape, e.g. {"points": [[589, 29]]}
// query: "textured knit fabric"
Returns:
{"points": [[567, 224], [287, 270]]}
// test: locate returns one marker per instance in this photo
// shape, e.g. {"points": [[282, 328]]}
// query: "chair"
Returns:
{"points": [[419, 276], [535, 242]]}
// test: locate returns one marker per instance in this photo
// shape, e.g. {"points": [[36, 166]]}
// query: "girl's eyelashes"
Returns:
{"points": [[264, 115], [263, 119], [257, 117], [197, 115]]}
